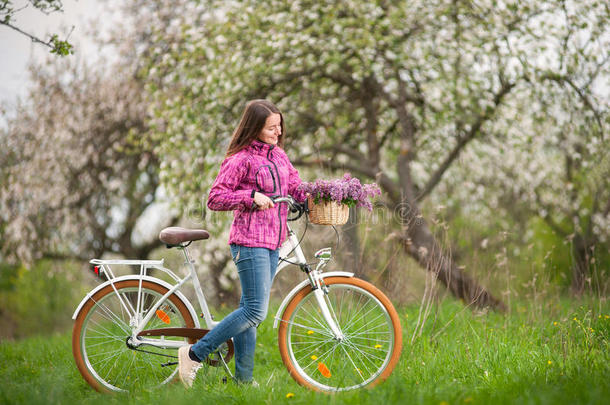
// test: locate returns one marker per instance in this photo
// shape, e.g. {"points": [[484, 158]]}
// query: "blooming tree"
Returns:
{"points": [[76, 175], [394, 92], [562, 178], [80, 178], [546, 155]]}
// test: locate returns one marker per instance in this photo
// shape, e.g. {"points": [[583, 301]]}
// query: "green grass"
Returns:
{"points": [[535, 355]]}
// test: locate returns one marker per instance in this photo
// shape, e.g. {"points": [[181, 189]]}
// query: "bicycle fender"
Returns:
{"points": [[143, 278], [299, 287]]}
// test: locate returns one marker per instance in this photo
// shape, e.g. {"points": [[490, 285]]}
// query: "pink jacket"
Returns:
{"points": [[259, 167]]}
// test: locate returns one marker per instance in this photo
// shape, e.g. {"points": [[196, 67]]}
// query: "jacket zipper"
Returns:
{"points": [[279, 183]]}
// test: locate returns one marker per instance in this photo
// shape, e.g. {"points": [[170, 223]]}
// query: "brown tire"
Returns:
{"points": [[372, 337], [101, 330]]}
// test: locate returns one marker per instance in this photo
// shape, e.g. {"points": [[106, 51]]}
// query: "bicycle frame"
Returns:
{"points": [[290, 247]]}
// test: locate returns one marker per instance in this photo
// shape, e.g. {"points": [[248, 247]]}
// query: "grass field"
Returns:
{"points": [[556, 352]]}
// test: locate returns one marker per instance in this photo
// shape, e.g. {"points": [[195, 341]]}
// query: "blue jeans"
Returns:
{"points": [[256, 268]]}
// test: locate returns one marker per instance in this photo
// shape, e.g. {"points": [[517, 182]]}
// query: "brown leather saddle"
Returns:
{"points": [[177, 236]]}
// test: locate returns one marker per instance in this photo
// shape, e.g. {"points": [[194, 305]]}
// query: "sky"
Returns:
{"points": [[17, 50]]}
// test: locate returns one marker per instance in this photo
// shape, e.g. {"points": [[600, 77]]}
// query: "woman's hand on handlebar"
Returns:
{"points": [[262, 201], [295, 207]]}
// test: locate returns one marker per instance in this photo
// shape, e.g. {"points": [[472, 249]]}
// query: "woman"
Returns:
{"points": [[255, 168]]}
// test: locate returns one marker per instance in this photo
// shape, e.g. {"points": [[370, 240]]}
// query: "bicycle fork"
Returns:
{"points": [[327, 312], [320, 291]]}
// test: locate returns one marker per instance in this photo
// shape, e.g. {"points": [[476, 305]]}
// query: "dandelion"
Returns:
{"points": [[314, 357], [378, 346], [575, 319], [555, 323], [549, 362], [289, 395], [310, 332], [607, 316]]}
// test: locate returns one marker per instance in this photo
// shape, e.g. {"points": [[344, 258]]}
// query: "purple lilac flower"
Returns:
{"points": [[347, 190]]}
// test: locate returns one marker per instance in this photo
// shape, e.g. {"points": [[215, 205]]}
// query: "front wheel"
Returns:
{"points": [[372, 337], [103, 329]]}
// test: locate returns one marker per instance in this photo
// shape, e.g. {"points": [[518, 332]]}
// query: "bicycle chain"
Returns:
{"points": [[158, 354], [161, 354]]}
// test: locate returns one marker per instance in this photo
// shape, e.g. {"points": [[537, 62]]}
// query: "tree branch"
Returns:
{"points": [[583, 97], [464, 140], [351, 152], [32, 37], [547, 218], [371, 124], [388, 133], [64, 257], [57, 46]]}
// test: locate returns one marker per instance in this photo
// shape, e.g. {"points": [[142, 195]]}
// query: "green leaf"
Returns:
{"points": [[61, 48]]}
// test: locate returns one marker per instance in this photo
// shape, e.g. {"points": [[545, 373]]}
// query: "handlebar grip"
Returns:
{"points": [[294, 206]]}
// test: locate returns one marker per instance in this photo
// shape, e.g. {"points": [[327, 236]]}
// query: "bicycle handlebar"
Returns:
{"points": [[287, 198], [293, 205]]}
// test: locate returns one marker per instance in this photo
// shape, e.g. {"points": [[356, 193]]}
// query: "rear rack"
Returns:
{"points": [[104, 267]]}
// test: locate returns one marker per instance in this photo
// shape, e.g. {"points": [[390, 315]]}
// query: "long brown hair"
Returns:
{"points": [[252, 123]]}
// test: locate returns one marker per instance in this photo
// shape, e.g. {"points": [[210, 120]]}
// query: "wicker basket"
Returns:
{"points": [[328, 213]]}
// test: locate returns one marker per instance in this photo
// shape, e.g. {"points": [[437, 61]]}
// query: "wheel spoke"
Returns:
{"points": [[313, 317], [322, 331], [365, 354], [112, 317], [312, 345], [319, 359], [353, 364], [366, 324]]}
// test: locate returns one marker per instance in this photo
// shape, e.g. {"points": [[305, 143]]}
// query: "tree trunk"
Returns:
{"points": [[351, 245], [580, 264], [421, 244]]}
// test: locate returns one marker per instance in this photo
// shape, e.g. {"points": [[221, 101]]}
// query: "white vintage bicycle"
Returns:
{"points": [[336, 332]]}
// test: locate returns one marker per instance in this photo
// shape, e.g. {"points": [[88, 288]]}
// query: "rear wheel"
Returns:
{"points": [[102, 331], [372, 337]]}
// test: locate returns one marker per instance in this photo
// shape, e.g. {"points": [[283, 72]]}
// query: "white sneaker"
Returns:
{"points": [[187, 368]]}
